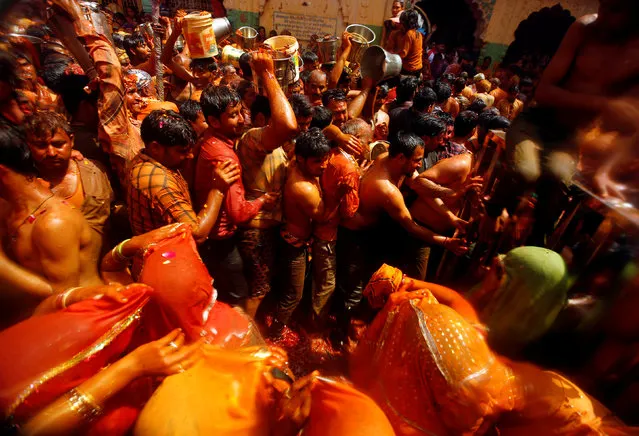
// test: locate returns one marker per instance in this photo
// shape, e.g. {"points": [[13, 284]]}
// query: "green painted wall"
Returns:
{"points": [[494, 50], [243, 18], [378, 33]]}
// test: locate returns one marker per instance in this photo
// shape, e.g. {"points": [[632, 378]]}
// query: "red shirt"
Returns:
{"points": [[340, 185], [235, 209]]}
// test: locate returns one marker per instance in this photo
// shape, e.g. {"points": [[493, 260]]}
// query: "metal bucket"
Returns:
{"points": [[378, 64], [361, 38], [247, 36], [232, 55], [93, 14], [327, 50], [222, 28]]}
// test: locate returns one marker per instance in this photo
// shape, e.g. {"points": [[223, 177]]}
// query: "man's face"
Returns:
{"points": [[249, 97], [174, 157], [52, 152], [396, 8], [432, 142], [450, 132], [340, 113], [27, 101], [133, 101], [415, 162], [200, 124], [232, 122], [303, 124], [202, 77], [316, 87], [142, 52], [313, 166], [381, 131]]}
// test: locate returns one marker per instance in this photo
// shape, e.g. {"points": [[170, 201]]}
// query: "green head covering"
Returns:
{"points": [[527, 302]]}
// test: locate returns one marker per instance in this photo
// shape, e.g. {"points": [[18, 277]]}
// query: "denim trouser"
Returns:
{"points": [[324, 273], [223, 260], [293, 262]]}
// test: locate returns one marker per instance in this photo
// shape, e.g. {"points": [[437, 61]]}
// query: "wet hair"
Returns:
{"points": [[44, 124], [443, 91], [485, 118], [131, 42], [39, 31], [478, 105], [190, 110], [428, 125], [514, 89], [302, 108], [8, 69], [312, 143], [309, 57], [305, 76], [465, 122], [459, 84], [245, 66], [357, 127], [226, 69], [119, 17], [167, 128], [424, 99], [71, 87], [448, 78], [526, 81], [215, 100], [446, 118], [407, 88], [14, 152], [118, 40], [244, 87], [322, 117], [409, 19], [261, 105], [207, 64], [333, 95], [499, 123], [404, 143], [382, 91]]}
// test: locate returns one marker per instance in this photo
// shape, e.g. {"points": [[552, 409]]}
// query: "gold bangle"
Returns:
{"points": [[84, 404], [61, 300]]}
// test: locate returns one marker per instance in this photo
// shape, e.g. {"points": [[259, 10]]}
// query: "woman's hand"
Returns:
{"points": [[166, 356]]}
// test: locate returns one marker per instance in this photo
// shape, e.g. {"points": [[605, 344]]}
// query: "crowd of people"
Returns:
{"points": [[194, 231]]}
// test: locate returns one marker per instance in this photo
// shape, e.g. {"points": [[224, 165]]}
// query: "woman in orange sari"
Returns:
{"points": [[425, 361]]}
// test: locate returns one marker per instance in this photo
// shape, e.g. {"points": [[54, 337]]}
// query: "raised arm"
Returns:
{"points": [[356, 105], [167, 54], [336, 72], [283, 124]]}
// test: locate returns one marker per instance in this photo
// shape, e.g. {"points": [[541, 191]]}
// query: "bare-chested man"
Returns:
{"points": [[302, 205], [384, 230], [598, 61], [317, 84]]}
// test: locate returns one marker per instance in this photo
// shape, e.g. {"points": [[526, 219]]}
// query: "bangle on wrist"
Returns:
{"points": [[84, 405], [61, 299], [117, 254]]}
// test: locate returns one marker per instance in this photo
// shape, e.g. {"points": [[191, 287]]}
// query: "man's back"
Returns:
{"points": [[298, 190]]}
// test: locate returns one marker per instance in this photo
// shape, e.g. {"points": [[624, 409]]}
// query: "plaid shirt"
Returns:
{"points": [[157, 196]]}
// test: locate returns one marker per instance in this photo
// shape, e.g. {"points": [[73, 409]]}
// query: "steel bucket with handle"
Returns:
{"points": [[327, 50], [379, 64], [361, 38]]}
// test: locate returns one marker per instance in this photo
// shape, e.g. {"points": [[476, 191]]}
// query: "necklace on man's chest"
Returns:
{"points": [[31, 218]]}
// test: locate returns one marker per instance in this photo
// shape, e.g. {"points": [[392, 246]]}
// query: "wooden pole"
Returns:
{"points": [[157, 42]]}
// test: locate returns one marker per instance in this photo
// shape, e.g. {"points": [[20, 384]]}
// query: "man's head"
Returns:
{"points": [[424, 100], [135, 46], [322, 117], [458, 85], [484, 86], [486, 62], [465, 124], [443, 91], [335, 100], [303, 111], [477, 106], [204, 71], [15, 157], [247, 91], [260, 111], [222, 110], [132, 97], [396, 8], [50, 140], [360, 129], [311, 61], [431, 129], [317, 84], [168, 138], [295, 88], [449, 121], [382, 96], [409, 20], [407, 88], [311, 152], [513, 93], [407, 150], [191, 111]]}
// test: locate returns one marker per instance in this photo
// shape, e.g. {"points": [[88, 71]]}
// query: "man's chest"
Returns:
{"points": [[606, 67]]}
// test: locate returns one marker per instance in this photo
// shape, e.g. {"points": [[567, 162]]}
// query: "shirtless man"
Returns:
{"points": [[372, 237], [302, 205], [578, 84], [317, 84]]}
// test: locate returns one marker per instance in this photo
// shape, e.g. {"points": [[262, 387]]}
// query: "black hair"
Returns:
{"points": [[167, 128], [485, 118], [119, 16], [8, 69], [333, 95], [309, 57], [118, 40], [443, 91], [477, 106], [410, 20], [312, 143], [43, 124], [216, 99], [513, 89], [190, 110], [302, 108], [262, 106], [404, 143], [208, 64], [459, 84], [526, 81], [407, 88], [39, 31], [499, 123], [70, 86], [428, 125], [448, 77], [245, 66], [465, 122], [322, 117], [446, 118], [14, 152], [424, 99], [382, 91], [131, 42], [244, 87], [305, 76]]}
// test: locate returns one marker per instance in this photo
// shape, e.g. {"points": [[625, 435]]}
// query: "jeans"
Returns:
{"points": [[352, 266], [257, 248], [223, 260], [324, 273], [293, 262]]}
